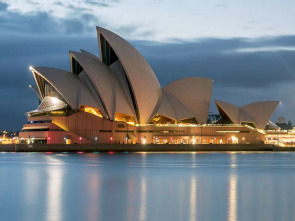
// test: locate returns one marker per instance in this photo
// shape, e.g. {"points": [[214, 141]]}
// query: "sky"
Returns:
{"points": [[246, 47]]}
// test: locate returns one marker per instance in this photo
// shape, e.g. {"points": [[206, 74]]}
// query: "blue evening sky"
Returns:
{"points": [[247, 47]]}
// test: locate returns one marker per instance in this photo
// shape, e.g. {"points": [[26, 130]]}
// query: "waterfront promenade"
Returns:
{"points": [[134, 147]]}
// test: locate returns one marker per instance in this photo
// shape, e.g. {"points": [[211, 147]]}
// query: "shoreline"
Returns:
{"points": [[139, 147]]}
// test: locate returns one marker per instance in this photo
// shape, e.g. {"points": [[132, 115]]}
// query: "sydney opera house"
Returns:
{"points": [[117, 98]]}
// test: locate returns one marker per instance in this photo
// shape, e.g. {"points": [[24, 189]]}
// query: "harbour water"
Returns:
{"points": [[147, 186]]}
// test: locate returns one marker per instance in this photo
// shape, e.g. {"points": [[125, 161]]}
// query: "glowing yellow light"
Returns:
{"points": [[228, 131], [125, 118], [194, 140], [59, 124], [91, 110], [234, 139]]}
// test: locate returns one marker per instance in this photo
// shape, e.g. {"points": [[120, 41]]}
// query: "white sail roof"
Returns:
{"points": [[144, 85], [67, 85], [258, 113], [189, 98], [106, 84]]}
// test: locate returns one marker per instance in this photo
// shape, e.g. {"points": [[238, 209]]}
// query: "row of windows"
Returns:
{"points": [[125, 131], [29, 130], [143, 131], [160, 131], [43, 129], [120, 131], [39, 121]]}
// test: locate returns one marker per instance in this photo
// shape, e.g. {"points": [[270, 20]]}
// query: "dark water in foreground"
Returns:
{"points": [[147, 186]]}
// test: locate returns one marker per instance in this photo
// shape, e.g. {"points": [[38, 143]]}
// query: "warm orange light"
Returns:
{"points": [[91, 110], [59, 124], [125, 118], [160, 119]]}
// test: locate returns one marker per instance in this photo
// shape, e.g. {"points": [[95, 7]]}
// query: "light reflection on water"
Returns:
{"points": [[193, 199], [147, 186], [54, 194], [143, 196], [93, 195], [232, 192]]}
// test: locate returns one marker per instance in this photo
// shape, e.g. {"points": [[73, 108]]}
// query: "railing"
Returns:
{"points": [[194, 125], [276, 132]]}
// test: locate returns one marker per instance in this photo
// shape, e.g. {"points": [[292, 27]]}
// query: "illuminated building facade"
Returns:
{"points": [[117, 98]]}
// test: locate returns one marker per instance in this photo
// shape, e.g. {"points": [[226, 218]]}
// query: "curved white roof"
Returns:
{"points": [[190, 98], [258, 112], [143, 82], [68, 85], [50, 104], [107, 85], [166, 108], [118, 70], [101, 77], [122, 105], [181, 111], [232, 111]]}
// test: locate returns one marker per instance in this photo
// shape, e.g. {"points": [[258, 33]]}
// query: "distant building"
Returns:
{"points": [[281, 120], [117, 98], [8, 137]]}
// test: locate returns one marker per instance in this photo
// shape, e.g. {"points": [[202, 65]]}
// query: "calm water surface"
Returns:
{"points": [[147, 186]]}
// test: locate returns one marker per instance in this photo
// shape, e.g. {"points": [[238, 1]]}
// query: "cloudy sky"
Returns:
{"points": [[247, 47]]}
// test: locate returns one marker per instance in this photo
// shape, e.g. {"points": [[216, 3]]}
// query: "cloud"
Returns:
{"points": [[43, 23], [165, 19], [100, 4], [240, 77], [17, 54], [222, 5], [210, 58], [261, 49], [3, 6], [244, 69]]}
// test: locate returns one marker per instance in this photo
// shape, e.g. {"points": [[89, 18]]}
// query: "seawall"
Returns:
{"points": [[134, 147]]}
